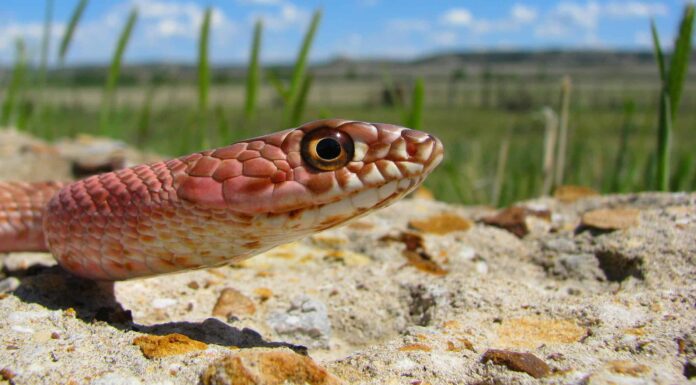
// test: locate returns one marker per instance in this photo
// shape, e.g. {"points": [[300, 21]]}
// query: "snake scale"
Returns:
{"points": [[217, 206]]}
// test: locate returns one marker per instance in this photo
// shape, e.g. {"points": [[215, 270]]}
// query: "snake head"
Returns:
{"points": [[333, 170]]}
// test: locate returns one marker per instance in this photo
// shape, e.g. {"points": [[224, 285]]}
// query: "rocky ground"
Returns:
{"points": [[574, 289]]}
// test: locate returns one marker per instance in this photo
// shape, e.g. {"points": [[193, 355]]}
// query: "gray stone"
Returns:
{"points": [[9, 284], [305, 322], [577, 266]]}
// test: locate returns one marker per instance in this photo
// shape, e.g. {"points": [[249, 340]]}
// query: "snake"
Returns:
{"points": [[217, 206]]}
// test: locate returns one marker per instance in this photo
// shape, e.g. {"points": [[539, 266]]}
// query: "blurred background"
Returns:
{"points": [[527, 95]]}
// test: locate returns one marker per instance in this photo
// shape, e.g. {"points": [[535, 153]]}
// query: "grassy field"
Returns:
{"points": [[610, 148]]}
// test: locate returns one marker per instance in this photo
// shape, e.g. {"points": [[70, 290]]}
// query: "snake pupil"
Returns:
{"points": [[328, 148]]}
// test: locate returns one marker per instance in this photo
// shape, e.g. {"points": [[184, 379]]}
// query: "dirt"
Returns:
{"points": [[561, 302]]}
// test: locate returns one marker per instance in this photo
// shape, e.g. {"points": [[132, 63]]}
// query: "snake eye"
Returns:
{"points": [[327, 149]]}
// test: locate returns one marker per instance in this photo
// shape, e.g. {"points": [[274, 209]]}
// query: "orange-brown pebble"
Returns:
{"points": [[441, 224], [627, 368], [263, 293], [168, 345], [232, 302], [267, 366], [415, 347], [519, 362]]}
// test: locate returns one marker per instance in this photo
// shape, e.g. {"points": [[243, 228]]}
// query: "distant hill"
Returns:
{"points": [[595, 65]]}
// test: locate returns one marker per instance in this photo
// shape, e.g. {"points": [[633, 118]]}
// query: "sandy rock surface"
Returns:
{"points": [[419, 293]]}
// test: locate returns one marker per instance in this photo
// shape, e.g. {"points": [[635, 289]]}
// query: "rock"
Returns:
{"points": [[562, 245], [232, 302], [611, 219], [577, 266], [163, 303], [306, 322], [116, 379], [570, 194], [169, 345], [18, 263], [532, 332], [25, 157], [514, 219], [267, 367], [416, 254], [9, 284], [627, 368], [519, 362], [441, 224]]}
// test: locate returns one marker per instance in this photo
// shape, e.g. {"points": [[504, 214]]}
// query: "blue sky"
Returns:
{"points": [[167, 29]]}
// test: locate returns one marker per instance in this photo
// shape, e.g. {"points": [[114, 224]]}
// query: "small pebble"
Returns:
{"points": [[162, 303], [519, 362], [9, 284]]}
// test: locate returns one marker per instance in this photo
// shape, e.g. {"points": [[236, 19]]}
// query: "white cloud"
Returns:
{"points": [[31, 33], [166, 19], [523, 14], [629, 9], [457, 17], [287, 15], [518, 15], [582, 19], [584, 15]]}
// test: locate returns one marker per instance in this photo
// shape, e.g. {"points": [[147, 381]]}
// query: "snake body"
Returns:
{"points": [[217, 206]]}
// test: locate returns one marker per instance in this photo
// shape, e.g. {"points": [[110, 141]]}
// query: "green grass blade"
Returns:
{"points": [[70, 30], [278, 85], [15, 86], [298, 108], [620, 160], [45, 42], [679, 64], [659, 57], [253, 72], [300, 69], [561, 156], [503, 153], [115, 69], [203, 80], [143, 133], [203, 63], [414, 117], [550, 143], [664, 139]]}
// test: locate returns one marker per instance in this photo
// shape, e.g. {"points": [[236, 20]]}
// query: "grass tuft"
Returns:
{"points": [[115, 71], [16, 81], [299, 86], [671, 91], [253, 72], [70, 30], [414, 116]]}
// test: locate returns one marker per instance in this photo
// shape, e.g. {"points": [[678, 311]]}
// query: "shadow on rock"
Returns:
{"points": [[56, 289], [214, 331]]}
